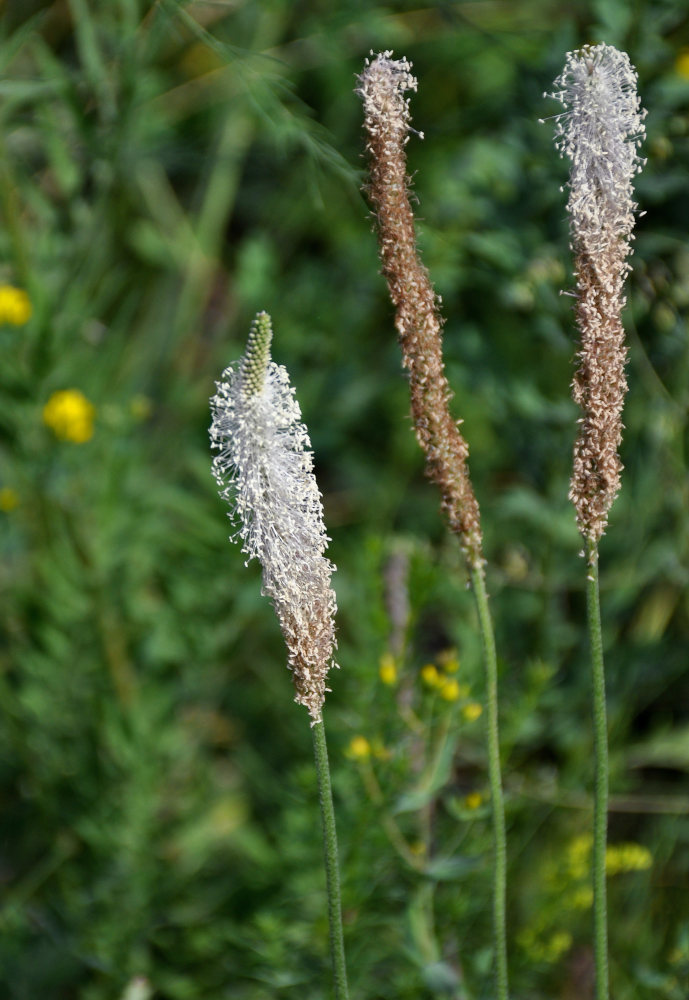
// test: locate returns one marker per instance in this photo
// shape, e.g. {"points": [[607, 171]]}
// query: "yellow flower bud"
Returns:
{"points": [[430, 675], [387, 670], [70, 416], [449, 690], [472, 711], [359, 748], [15, 306]]}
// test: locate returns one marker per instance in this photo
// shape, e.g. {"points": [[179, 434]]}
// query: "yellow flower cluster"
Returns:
{"points": [[627, 858], [15, 307], [569, 877], [578, 857], [473, 800], [618, 858], [430, 675], [447, 687], [70, 415], [472, 711], [545, 949]]}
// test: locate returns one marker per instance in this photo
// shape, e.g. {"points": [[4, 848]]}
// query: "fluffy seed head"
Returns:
{"points": [[382, 87], [600, 131], [264, 468]]}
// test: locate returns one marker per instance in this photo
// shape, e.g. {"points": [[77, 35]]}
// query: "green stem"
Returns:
{"points": [[600, 804], [498, 805], [332, 870]]}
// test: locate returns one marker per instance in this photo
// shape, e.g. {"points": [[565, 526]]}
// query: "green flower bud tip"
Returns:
{"points": [[257, 357]]}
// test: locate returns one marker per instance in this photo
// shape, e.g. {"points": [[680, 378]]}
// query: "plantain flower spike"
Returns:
{"points": [[264, 468], [600, 131], [382, 87]]}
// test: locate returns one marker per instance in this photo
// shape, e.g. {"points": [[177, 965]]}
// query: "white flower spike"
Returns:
{"points": [[264, 468], [600, 131]]}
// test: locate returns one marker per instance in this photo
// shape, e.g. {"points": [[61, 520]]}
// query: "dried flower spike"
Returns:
{"points": [[264, 468], [382, 87], [600, 131]]}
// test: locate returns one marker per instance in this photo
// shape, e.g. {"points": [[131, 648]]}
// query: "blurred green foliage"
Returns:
{"points": [[166, 170]]}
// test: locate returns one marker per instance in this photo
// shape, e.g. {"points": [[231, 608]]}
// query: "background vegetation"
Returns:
{"points": [[166, 170]]}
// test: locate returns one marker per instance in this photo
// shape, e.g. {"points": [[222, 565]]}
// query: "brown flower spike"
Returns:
{"points": [[600, 132], [382, 86]]}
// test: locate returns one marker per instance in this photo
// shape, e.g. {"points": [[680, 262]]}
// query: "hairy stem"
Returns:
{"points": [[332, 869], [495, 779], [600, 804]]}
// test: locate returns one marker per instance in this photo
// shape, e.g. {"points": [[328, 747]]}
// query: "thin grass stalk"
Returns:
{"points": [[601, 776], [332, 868], [495, 781], [418, 321]]}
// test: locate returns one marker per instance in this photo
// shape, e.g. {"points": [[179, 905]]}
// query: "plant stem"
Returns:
{"points": [[394, 834], [600, 803], [332, 870], [498, 805]]}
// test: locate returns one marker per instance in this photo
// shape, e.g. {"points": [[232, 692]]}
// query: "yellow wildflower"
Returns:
{"points": [[579, 856], [15, 306], [9, 499], [70, 415], [449, 690], [359, 748], [627, 858], [544, 951], [682, 64], [472, 711], [473, 800], [387, 670], [430, 675]]}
